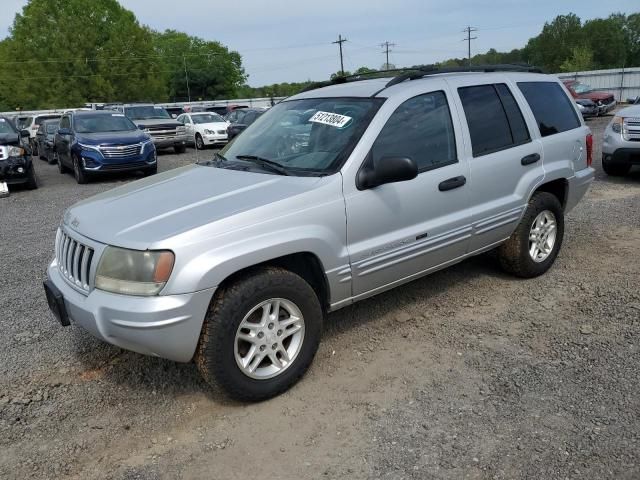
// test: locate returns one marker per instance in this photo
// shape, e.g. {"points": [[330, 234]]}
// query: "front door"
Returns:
{"points": [[401, 230]]}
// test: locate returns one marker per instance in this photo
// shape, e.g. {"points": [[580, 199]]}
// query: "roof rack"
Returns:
{"points": [[420, 71]]}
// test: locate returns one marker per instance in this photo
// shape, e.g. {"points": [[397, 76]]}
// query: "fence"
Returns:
{"points": [[622, 83]]}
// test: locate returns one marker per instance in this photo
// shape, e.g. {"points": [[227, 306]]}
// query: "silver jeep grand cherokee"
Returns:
{"points": [[332, 196]]}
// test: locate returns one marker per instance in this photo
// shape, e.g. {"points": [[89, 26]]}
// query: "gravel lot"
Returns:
{"points": [[467, 373]]}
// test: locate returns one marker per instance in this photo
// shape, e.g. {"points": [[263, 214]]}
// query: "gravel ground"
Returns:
{"points": [[467, 373]]}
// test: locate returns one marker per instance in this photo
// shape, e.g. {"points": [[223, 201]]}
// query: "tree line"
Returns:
{"points": [[63, 53]]}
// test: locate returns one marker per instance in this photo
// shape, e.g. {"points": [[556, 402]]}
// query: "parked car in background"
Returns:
{"points": [[240, 119], [587, 107], [621, 142], [94, 142], [205, 128], [45, 138], [236, 261], [33, 126], [605, 101], [175, 112], [165, 131], [22, 122], [16, 167]]}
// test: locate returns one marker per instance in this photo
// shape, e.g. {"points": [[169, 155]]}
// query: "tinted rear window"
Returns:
{"points": [[551, 107]]}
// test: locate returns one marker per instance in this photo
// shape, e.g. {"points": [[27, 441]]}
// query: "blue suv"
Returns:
{"points": [[92, 142]]}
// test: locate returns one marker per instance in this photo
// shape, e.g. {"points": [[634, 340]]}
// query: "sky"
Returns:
{"points": [[290, 41]]}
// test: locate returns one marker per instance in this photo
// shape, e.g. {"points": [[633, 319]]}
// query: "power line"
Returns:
{"points": [[386, 45], [340, 41], [468, 31]]}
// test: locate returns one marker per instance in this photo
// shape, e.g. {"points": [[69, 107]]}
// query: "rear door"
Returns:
{"points": [[63, 142], [505, 160]]}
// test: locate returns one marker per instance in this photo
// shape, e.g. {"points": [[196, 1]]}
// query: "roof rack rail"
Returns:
{"points": [[424, 70], [413, 73]]}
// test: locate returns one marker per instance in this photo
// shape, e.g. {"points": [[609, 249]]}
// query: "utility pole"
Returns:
{"points": [[340, 41], [469, 30], [386, 46], [186, 76]]}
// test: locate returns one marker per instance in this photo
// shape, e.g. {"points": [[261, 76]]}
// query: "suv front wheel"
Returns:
{"points": [[260, 334], [534, 246]]}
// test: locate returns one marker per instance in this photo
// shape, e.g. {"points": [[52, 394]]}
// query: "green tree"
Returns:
{"points": [[607, 40], [48, 61], [581, 59], [556, 42], [213, 71]]}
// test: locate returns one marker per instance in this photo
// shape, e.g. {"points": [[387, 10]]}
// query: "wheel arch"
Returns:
{"points": [[558, 187]]}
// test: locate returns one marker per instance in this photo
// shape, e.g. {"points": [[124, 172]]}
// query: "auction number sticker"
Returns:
{"points": [[331, 119]]}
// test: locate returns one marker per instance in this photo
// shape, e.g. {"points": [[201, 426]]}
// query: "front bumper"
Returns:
{"points": [[166, 326], [606, 107], [169, 141], [215, 139], [10, 170], [624, 156], [94, 161], [578, 186]]}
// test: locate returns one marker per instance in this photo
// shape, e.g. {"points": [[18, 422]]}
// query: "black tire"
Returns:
{"points": [[151, 170], [199, 142], [180, 148], [78, 172], [34, 149], [32, 183], [215, 355], [51, 158], [514, 256], [615, 169]]}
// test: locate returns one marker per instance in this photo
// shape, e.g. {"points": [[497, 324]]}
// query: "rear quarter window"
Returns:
{"points": [[551, 107]]}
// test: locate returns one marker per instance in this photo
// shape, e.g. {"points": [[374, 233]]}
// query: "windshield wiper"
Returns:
{"points": [[265, 163]]}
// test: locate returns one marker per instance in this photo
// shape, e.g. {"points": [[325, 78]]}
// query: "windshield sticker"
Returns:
{"points": [[158, 108], [331, 119], [1, 120], [117, 114]]}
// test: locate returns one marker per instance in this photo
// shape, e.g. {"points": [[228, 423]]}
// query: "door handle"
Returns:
{"points": [[452, 183], [529, 159]]}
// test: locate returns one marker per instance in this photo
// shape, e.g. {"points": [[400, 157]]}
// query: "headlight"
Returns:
{"points": [[16, 151], [88, 147], [616, 124], [209, 132], [146, 144], [181, 130], [134, 272]]}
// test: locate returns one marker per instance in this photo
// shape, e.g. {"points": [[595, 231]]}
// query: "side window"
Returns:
{"points": [[249, 118], [494, 118], [551, 107], [180, 119], [65, 122], [421, 128]]}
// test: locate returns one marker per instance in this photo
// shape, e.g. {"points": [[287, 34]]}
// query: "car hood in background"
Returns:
{"points": [[157, 123], [9, 139], [112, 138], [213, 126], [157, 208]]}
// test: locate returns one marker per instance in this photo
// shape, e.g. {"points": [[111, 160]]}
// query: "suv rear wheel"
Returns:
{"points": [[534, 246], [260, 334]]}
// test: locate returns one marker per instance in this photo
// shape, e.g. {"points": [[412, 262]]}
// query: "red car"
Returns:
{"points": [[605, 101]]}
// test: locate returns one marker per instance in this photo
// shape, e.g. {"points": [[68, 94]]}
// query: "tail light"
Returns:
{"points": [[589, 149]]}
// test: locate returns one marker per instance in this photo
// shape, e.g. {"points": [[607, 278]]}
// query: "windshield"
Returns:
{"points": [[23, 122], [6, 127], [41, 119], [103, 123], [52, 127], [146, 112], [207, 118], [311, 136], [581, 87]]}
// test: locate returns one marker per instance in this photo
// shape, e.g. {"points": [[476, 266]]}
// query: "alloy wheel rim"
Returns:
{"points": [[199, 142], [542, 236], [269, 338]]}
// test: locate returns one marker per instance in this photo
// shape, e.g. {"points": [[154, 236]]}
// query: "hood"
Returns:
{"points": [[112, 138], [9, 139], [214, 125], [595, 96], [158, 122], [159, 207]]}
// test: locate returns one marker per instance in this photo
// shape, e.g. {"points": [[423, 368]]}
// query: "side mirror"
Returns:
{"points": [[387, 170], [64, 131], [25, 133]]}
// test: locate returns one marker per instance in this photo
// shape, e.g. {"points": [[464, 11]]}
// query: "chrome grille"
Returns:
{"points": [[121, 151], [631, 129], [74, 260]]}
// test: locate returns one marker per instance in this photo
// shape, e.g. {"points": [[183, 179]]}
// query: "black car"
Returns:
{"points": [[45, 137], [15, 157], [240, 119]]}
